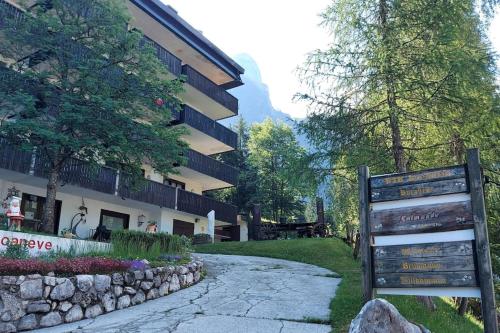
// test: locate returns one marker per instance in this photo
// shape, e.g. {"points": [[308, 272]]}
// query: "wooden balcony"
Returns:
{"points": [[201, 205], [107, 180], [211, 167], [147, 191], [197, 120], [173, 64], [82, 174], [210, 89]]}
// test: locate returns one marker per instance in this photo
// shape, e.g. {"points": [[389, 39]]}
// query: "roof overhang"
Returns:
{"points": [[169, 18]]}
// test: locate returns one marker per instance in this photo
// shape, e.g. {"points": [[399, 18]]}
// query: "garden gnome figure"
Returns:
{"points": [[14, 214]]}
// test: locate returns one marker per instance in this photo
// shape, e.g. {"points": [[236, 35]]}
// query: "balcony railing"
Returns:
{"points": [[147, 191], [173, 63], [202, 123], [200, 205], [82, 174], [211, 167], [218, 94], [108, 180]]}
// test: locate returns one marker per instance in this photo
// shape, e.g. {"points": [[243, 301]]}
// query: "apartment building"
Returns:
{"points": [[176, 201]]}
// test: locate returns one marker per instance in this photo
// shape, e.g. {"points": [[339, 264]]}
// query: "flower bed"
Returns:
{"points": [[35, 301], [62, 266]]}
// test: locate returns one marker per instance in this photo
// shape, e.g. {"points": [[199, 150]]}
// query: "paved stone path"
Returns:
{"points": [[239, 294]]}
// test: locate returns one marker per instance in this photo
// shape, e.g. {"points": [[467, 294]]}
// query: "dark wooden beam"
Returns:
{"points": [[482, 243], [364, 228]]}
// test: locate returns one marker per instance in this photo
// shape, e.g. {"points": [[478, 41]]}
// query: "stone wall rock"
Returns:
{"points": [[380, 316], [35, 301]]}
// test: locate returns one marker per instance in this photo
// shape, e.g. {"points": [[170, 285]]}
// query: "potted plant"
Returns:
{"points": [[66, 233], [152, 227]]}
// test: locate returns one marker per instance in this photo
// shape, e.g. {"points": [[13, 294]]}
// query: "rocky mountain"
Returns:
{"points": [[254, 101]]}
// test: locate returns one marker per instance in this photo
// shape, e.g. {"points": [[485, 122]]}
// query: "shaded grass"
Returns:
{"points": [[333, 254]]}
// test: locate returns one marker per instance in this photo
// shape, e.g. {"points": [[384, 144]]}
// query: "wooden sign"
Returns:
{"points": [[393, 211], [417, 177], [425, 218], [409, 265], [464, 248], [450, 186], [422, 280], [425, 264]]}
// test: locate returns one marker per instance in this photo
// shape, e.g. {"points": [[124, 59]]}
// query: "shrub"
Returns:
{"points": [[202, 239], [62, 266], [137, 244], [16, 251]]}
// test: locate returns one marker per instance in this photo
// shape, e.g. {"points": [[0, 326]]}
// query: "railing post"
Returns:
{"points": [[33, 162], [117, 181], [176, 197]]}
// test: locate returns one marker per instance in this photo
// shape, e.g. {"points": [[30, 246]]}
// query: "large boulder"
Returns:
{"points": [[174, 283], [380, 316], [51, 319], [74, 314], [84, 282], [27, 322], [10, 306], [64, 290], [31, 289], [102, 283]]}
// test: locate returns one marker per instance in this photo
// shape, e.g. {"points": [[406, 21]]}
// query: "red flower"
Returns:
{"points": [[62, 266]]}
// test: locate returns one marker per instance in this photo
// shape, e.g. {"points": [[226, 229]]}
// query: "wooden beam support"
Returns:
{"points": [[364, 228], [482, 243]]}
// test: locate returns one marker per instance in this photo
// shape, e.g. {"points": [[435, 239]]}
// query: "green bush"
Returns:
{"points": [[202, 239], [16, 251], [130, 244]]}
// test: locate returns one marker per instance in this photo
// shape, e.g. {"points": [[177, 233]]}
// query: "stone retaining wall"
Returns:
{"points": [[35, 301]]}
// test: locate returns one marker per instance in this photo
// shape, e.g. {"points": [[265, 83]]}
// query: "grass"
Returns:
{"points": [[333, 254], [129, 244]]}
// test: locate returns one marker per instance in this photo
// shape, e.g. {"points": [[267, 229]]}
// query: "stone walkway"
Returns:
{"points": [[239, 295]]}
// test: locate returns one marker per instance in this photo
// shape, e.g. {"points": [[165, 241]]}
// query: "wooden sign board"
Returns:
{"points": [[430, 247], [424, 218], [418, 265], [440, 279], [417, 177], [419, 190]]}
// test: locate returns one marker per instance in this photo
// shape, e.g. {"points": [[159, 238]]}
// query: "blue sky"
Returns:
{"points": [[277, 34]]}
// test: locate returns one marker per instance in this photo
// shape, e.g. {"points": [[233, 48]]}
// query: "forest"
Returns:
{"points": [[402, 86]]}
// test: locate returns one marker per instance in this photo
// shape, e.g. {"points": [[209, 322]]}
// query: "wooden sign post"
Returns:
{"points": [[424, 233]]}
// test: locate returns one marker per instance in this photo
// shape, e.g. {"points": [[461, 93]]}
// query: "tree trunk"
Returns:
{"points": [[397, 144], [462, 308], [48, 216], [387, 72], [397, 147], [357, 245]]}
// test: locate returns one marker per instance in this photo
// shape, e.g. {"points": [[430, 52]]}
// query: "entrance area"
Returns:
{"points": [[32, 208], [183, 228]]}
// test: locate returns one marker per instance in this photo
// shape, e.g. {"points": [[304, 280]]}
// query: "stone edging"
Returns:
{"points": [[35, 301]]}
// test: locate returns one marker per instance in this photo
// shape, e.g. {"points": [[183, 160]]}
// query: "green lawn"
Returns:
{"points": [[336, 256]]}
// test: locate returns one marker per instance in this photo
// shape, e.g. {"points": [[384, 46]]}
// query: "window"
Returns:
{"points": [[114, 220], [174, 183]]}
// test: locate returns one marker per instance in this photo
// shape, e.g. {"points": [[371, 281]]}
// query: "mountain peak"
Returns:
{"points": [[252, 71]]}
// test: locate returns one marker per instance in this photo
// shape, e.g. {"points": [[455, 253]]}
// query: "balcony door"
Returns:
{"points": [[114, 220], [183, 228]]}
